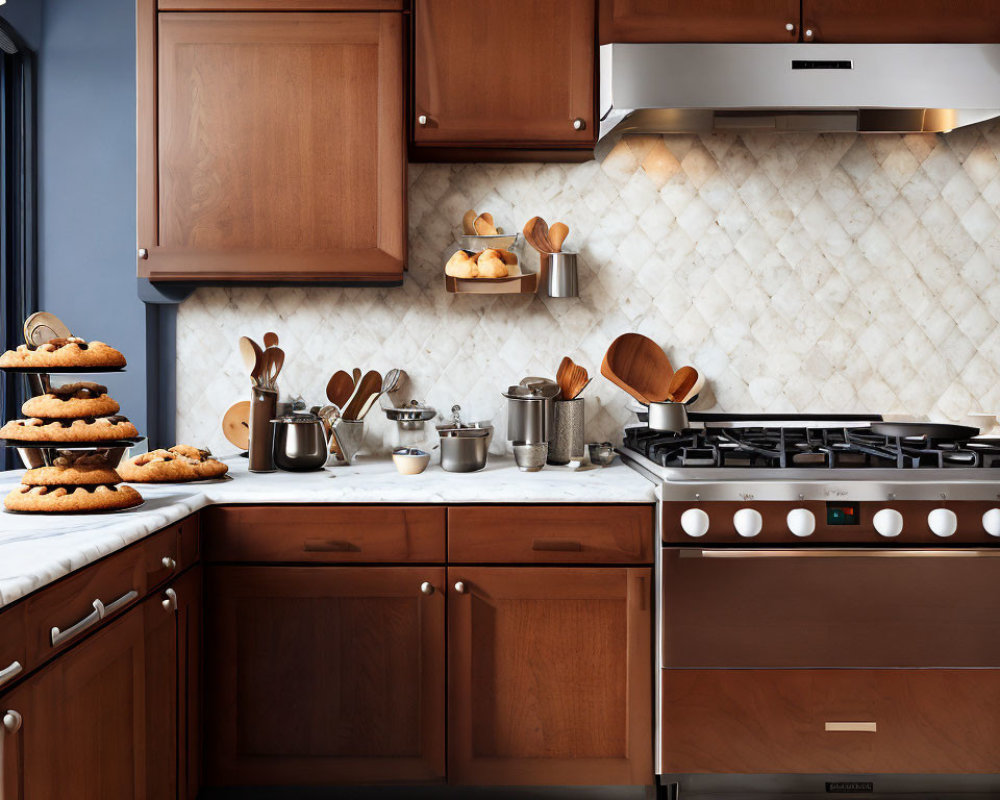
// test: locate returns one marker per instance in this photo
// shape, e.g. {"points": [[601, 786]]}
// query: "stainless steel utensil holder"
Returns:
{"points": [[348, 435], [566, 441], [263, 407]]}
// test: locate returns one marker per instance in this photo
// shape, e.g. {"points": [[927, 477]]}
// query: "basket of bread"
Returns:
{"points": [[488, 260]]}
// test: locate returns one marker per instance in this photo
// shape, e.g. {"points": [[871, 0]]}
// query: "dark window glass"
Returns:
{"points": [[17, 211]]}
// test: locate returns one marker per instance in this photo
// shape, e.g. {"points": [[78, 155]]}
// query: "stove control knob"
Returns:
{"points": [[748, 522], [943, 522], [991, 522], [694, 522], [801, 522], [888, 522]]}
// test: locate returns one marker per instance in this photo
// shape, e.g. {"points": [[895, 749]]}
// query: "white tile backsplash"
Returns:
{"points": [[800, 272]]}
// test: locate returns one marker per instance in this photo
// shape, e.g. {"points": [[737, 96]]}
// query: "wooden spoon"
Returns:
{"points": [[469, 223], [682, 383], [274, 359], [371, 384], [270, 339], [563, 376], [695, 390], [340, 388], [638, 365], [578, 379], [557, 235], [253, 358], [537, 234]]}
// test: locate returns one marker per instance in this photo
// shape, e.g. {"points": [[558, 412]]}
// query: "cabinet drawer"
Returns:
{"points": [[118, 582], [620, 534], [831, 721], [280, 5], [13, 645], [325, 534]]}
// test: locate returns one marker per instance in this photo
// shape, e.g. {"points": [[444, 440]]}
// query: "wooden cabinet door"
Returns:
{"points": [[159, 613], [324, 675], [15, 713], [549, 676], [86, 737], [517, 72], [275, 149], [188, 593], [972, 21], [699, 21]]}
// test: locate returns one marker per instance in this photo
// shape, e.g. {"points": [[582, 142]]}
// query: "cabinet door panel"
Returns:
{"points": [[320, 675], [806, 721], [189, 679], [968, 21], [160, 652], [280, 148], [549, 676], [15, 706], [88, 726], [699, 20], [515, 72]]}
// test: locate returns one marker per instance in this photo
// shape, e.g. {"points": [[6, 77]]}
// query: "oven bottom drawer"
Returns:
{"points": [[831, 721]]}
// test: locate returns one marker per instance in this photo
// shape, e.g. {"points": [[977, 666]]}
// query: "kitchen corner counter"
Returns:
{"points": [[36, 550]]}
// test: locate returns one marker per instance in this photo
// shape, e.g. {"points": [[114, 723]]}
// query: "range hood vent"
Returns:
{"points": [[867, 88]]}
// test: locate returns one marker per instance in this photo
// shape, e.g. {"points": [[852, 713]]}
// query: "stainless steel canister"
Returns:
{"points": [[529, 411], [566, 442], [668, 417], [562, 274]]}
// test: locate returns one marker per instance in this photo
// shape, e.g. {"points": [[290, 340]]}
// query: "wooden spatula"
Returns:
{"points": [[681, 384], [638, 365], [563, 376]]}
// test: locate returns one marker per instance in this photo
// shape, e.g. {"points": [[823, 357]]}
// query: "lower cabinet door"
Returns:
{"points": [[160, 630], [831, 721], [15, 713], [324, 675], [188, 592], [549, 676], [85, 737]]}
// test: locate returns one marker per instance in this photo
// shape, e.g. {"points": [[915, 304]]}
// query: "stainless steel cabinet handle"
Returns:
{"points": [[168, 563], [329, 546], [460, 587], [58, 637], [422, 119], [831, 553], [8, 673], [170, 600], [124, 600], [427, 587], [579, 124], [858, 727]]}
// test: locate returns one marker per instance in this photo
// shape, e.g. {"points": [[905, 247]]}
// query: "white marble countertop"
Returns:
{"points": [[36, 550]]}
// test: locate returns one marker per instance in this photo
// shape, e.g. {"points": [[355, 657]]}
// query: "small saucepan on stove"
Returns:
{"points": [[667, 416]]}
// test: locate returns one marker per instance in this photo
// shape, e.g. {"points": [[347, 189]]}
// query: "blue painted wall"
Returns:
{"points": [[86, 169]]}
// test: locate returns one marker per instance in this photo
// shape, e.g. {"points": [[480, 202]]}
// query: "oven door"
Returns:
{"points": [[834, 664]]}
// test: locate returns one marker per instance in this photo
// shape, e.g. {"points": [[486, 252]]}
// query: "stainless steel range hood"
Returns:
{"points": [[871, 88]]}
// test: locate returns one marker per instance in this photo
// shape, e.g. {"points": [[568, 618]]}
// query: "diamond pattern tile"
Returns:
{"points": [[800, 272]]}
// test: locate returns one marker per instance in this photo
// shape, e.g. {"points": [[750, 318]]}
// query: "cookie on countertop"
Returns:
{"points": [[72, 401], [180, 463], [69, 352], [56, 499], [99, 429]]}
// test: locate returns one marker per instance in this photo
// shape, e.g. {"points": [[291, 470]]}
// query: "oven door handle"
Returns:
{"points": [[839, 553]]}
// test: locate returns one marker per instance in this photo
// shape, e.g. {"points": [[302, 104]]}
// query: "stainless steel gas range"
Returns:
{"points": [[828, 607]]}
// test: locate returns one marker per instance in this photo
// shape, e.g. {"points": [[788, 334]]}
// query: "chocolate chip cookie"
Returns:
{"points": [[64, 499], [180, 463], [99, 429], [72, 401], [69, 352]]}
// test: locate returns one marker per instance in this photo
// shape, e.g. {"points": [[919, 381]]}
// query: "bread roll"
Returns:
{"points": [[508, 257], [491, 265], [460, 265]]}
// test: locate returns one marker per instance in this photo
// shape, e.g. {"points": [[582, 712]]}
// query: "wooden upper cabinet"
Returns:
{"points": [[271, 146], [516, 73], [969, 21], [549, 676], [324, 675], [699, 20]]}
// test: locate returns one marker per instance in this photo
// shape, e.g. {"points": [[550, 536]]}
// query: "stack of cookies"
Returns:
{"points": [[74, 415]]}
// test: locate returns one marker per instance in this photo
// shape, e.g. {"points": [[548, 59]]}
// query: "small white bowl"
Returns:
{"points": [[410, 461]]}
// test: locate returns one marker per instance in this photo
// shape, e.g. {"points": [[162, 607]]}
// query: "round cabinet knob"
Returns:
{"points": [[422, 119], [888, 522], [748, 522], [460, 587], [942, 522], [168, 562], [169, 601], [143, 253], [427, 588], [807, 33], [789, 27], [694, 522], [579, 124], [11, 721], [991, 522], [801, 522]]}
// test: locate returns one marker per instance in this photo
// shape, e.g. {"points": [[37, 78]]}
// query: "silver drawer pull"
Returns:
{"points": [[557, 545], [10, 672], [124, 600], [95, 616], [169, 601], [857, 727]]}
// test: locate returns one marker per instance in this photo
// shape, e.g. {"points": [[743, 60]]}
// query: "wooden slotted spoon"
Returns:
{"points": [[638, 365]]}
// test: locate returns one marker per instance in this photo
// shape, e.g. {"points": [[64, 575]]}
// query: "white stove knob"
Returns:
{"points": [[888, 522], [943, 522], [748, 522], [991, 522], [801, 522], [694, 522]]}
